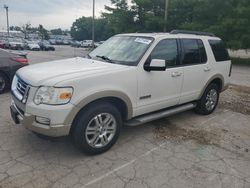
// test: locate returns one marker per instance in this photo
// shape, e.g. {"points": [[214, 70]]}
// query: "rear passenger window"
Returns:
{"points": [[194, 52], [203, 53], [219, 50], [166, 50]]}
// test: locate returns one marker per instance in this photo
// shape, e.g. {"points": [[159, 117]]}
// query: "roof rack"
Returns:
{"points": [[192, 33]]}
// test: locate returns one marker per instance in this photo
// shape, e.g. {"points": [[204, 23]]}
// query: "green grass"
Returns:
{"points": [[240, 61]]}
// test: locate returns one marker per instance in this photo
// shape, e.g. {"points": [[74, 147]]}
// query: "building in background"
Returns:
{"points": [[16, 34]]}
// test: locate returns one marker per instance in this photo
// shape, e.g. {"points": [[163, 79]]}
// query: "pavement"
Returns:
{"points": [[185, 150]]}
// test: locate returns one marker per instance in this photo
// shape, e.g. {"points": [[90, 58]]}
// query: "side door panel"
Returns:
{"points": [[160, 89], [196, 69]]}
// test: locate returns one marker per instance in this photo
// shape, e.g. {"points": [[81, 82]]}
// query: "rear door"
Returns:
{"points": [[196, 68]]}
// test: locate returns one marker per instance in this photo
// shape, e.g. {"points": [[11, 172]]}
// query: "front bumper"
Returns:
{"points": [[29, 121]]}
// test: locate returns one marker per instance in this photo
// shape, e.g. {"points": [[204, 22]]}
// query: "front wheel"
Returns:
{"points": [[97, 128], [209, 100]]}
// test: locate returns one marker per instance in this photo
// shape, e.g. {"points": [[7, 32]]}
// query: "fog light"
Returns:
{"points": [[43, 120]]}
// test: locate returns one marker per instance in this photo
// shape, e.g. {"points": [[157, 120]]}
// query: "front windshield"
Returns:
{"points": [[126, 50]]}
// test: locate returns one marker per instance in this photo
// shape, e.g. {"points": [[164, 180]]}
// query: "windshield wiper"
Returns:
{"points": [[105, 58]]}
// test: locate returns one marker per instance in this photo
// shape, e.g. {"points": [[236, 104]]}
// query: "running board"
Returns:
{"points": [[158, 115]]}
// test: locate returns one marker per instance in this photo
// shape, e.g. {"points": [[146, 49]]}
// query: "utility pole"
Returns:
{"points": [[166, 15], [7, 15], [93, 26]]}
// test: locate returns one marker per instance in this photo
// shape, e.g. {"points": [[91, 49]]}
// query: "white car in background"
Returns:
{"points": [[15, 44], [33, 45], [86, 43]]}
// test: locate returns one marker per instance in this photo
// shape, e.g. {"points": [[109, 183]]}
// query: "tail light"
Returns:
{"points": [[21, 60]]}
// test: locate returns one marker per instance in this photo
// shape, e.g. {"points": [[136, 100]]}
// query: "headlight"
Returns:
{"points": [[53, 95]]}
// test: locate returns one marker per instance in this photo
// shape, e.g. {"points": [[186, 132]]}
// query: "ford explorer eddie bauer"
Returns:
{"points": [[130, 80]]}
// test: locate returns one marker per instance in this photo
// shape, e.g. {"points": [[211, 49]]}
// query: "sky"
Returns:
{"points": [[50, 13]]}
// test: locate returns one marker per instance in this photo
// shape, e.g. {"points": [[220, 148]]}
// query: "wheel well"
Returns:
{"points": [[117, 102], [218, 82]]}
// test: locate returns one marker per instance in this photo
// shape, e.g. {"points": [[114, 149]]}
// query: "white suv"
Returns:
{"points": [[129, 80]]}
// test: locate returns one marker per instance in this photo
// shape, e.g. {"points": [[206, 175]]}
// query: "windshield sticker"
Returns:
{"points": [[143, 40]]}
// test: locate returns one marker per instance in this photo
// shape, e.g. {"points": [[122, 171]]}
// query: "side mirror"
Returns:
{"points": [[155, 65]]}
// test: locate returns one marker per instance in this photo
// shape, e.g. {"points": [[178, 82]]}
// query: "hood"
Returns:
{"points": [[50, 73]]}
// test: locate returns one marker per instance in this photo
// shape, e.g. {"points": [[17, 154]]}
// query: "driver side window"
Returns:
{"points": [[167, 50]]}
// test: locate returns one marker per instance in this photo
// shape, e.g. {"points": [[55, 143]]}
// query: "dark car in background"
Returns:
{"points": [[46, 46], [9, 64]]}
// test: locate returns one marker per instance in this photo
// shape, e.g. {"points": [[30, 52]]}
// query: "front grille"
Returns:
{"points": [[21, 86], [22, 90]]}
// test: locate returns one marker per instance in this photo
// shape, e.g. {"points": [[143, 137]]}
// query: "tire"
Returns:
{"points": [[91, 134], [209, 100], [4, 83]]}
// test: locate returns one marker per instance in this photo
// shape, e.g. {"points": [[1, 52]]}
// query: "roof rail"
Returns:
{"points": [[192, 33]]}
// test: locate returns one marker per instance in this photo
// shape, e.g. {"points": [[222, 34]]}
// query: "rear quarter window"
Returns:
{"points": [[219, 50]]}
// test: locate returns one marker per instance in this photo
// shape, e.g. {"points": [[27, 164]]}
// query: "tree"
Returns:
{"points": [[120, 19], [43, 32], [82, 29], [25, 29], [58, 31], [229, 19]]}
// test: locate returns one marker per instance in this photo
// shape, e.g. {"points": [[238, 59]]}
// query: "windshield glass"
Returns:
{"points": [[125, 50]]}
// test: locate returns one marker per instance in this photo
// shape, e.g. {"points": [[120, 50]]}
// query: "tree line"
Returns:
{"points": [[26, 29], [228, 19]]}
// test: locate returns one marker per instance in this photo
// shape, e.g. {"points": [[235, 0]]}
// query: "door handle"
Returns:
{"points": [[176, 74], [206, 69]]}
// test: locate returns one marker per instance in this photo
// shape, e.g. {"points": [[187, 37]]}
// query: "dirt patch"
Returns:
{"points": [[164, 129], [237, 99]]}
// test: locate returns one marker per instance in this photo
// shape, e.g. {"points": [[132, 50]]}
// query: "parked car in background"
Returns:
{"points": [[59, 41], [46, 46], [52, 41], [33, 45], [76, 44], [65, 42], [15, 44], [2, 43], [86, 43], [9, 64]]}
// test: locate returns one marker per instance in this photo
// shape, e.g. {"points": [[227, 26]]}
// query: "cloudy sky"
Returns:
{"points": [[50, 13]]}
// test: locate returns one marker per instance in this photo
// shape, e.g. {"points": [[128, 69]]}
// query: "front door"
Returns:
{"points": [[160, 89]]}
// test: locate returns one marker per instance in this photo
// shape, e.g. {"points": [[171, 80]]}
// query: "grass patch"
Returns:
{"points": [[240, 61]]}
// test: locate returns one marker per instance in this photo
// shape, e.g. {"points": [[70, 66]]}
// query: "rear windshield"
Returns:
{"points": [[219, 50]]}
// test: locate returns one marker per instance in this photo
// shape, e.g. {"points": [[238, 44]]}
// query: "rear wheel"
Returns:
{"points": [[97, 128], [209, 100], [4, 83]]}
